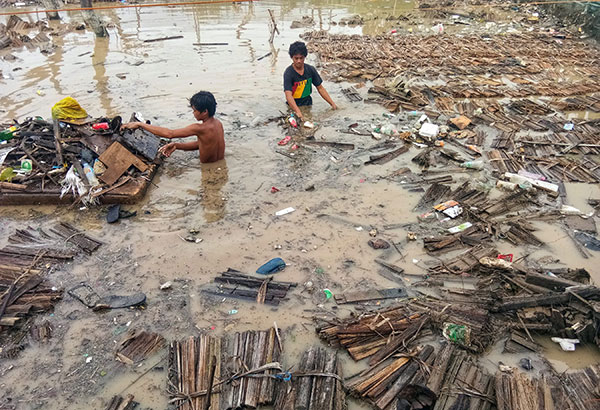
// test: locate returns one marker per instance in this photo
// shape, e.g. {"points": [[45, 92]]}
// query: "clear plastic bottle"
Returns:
{"points": [[90, 175], [473, 164]]}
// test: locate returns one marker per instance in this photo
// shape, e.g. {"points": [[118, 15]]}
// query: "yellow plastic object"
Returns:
{"points": [[7, 174], [68, 108]]}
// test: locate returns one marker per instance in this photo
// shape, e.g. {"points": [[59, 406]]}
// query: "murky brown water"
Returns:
{"points": [[228, 202]]}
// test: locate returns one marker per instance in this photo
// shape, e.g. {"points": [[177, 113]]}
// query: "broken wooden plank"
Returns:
{"points": [[117, 160]]}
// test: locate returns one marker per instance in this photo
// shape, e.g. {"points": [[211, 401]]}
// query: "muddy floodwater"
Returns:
{"points": [[229, 203]]}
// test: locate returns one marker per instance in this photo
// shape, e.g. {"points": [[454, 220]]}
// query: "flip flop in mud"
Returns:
{"points": [[115, 213], [86, 295]]}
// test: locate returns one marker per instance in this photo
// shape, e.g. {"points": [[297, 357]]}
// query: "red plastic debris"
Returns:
{"points": [[273, 190], [507, 257], [285, 140]]}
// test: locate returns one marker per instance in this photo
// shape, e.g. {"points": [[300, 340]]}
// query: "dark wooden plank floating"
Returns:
{"points": [[386, 157], [152, 40]]}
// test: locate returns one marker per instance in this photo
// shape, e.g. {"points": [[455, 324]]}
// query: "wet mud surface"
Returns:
{"points": [[337, 199]]}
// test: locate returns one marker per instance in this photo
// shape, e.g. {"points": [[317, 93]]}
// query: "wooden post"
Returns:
{"points": [[59, 154], [93, 20], [273, 27], [52, 5]]}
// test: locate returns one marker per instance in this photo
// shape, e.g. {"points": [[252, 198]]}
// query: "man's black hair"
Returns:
{"points": [[203, 101], [298, 48]]}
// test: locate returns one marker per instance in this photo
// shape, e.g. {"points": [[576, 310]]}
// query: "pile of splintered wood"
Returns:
{"points": [[459, 382], [255, 352], [389, 381], [316, 386], [138, 346], [194, 364], [377, 335], [477, 319], [234, 284], [23, 265]]}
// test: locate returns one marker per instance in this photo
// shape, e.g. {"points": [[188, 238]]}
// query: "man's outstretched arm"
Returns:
{"points": [[163, 132], [326, 96]]}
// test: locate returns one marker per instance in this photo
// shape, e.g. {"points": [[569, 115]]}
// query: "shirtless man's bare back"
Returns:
{"points": [[211, 138]]}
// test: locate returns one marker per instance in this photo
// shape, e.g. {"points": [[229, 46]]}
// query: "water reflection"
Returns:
{"points": [[214, 177], [98, 61]]}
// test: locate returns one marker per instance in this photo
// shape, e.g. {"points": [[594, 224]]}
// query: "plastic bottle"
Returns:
{"points": [[293, 121], [473, 165], [509, 186], [387, 129], [8, 133], [90, 175]]}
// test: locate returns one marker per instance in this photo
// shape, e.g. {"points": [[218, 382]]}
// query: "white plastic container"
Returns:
{"points": [[429, 130], [520, 179]]}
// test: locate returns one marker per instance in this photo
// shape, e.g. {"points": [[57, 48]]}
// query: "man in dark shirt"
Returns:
{"points": [[299, 78]]}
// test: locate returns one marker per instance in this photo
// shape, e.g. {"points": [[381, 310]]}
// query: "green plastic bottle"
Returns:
{"points": [[8, 133]]}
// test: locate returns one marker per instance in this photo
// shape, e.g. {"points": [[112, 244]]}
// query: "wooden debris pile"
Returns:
{"points": [[317, 385], [533, 136], [252, 359], [394, 380], [377, 335], [234, 284], [459, 382], [102, 165], [138, 346], [24, 262]]}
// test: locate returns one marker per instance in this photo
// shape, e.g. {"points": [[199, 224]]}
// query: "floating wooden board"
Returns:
{"points": [[118, 159], [367, 295]]}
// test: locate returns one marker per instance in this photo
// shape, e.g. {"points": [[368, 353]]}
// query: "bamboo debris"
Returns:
{"points": [[234, 284], [190, 363], [138, 346], [517, 391], [120, 403], [23, 264], [384, 383], [257, 352], [459, 382], [316, 386], [370, 334], [78, 238]]}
